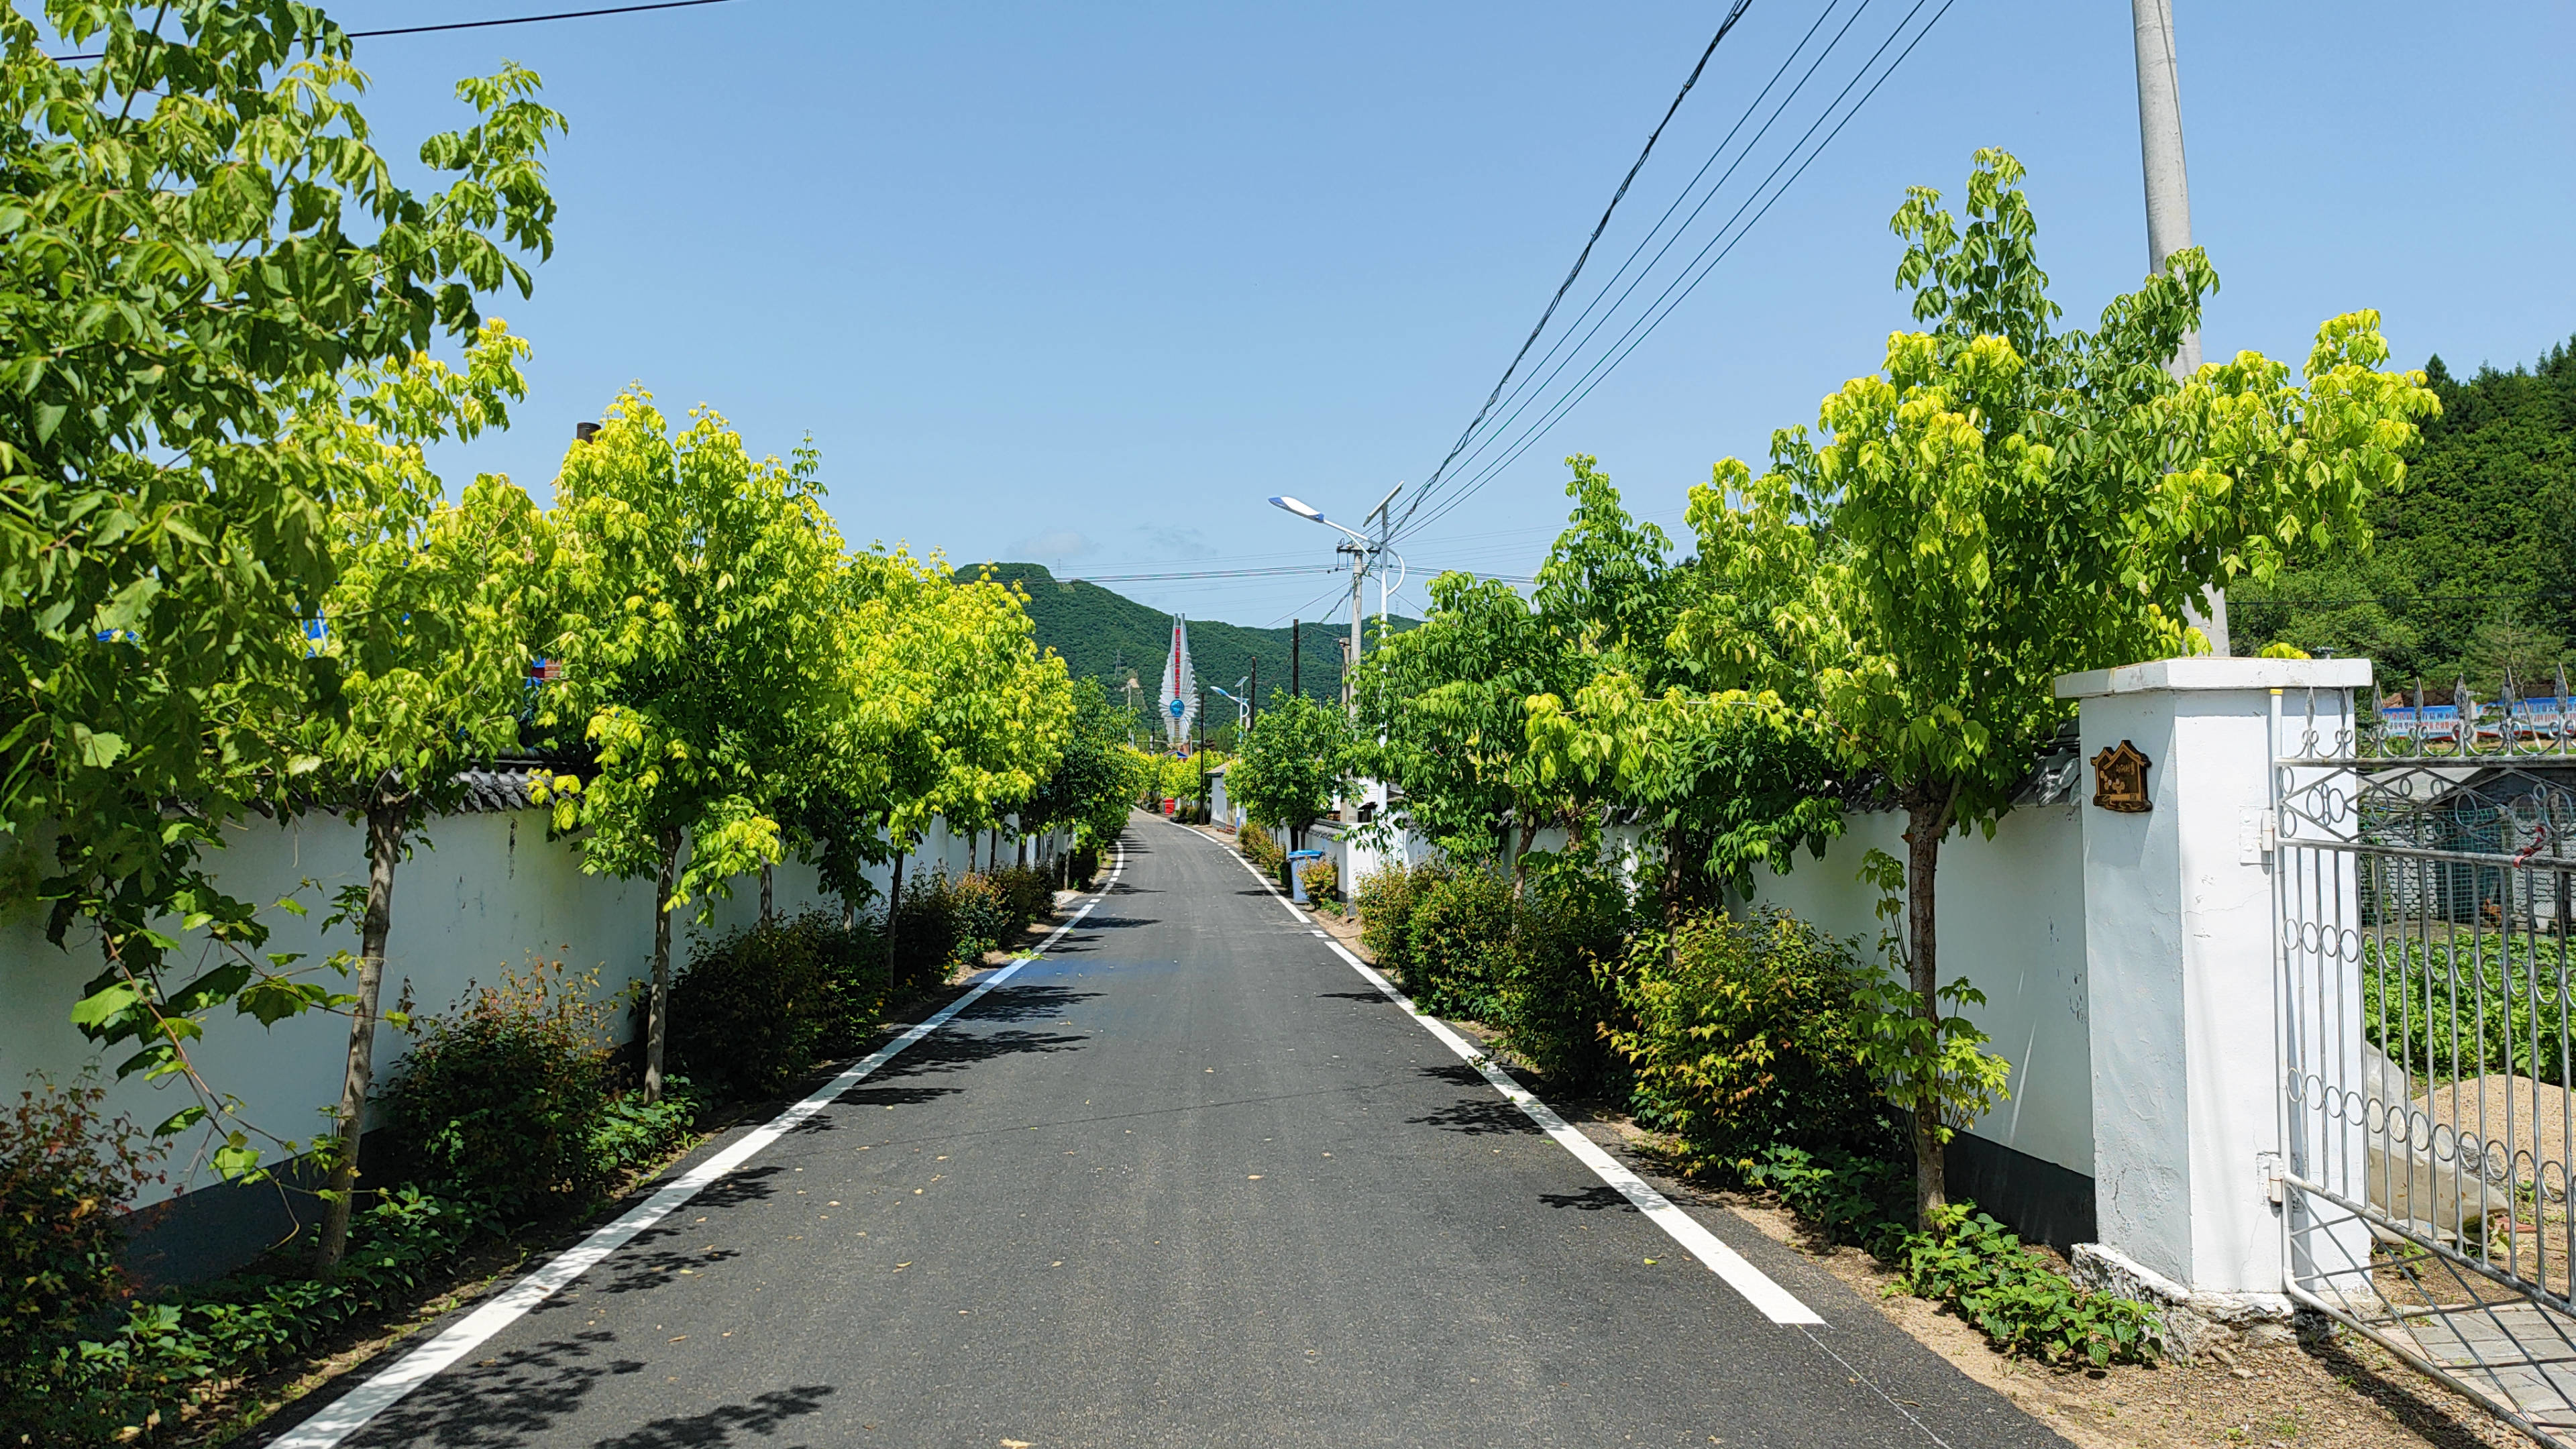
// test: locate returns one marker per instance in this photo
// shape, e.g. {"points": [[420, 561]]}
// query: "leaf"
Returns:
{"points": [[99, 1007], [236, 1160], [180, 1121], [98, 749], [272, 1000]]}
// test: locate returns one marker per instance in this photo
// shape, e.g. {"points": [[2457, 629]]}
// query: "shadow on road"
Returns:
{"points": [[1590, 1200], [1483, 1114], [632, 1271], [1097, 922], [506, 1399], [763, 1417], [1024, 1003]]}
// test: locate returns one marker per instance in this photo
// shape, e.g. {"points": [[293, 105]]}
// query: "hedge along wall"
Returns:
{"points": [[484, 892], [2011, 920]]}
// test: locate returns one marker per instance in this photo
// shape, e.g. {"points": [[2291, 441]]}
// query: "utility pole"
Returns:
{"points": [[1202, 723], [1351, 651], [1252, 711], [2169, 210]]}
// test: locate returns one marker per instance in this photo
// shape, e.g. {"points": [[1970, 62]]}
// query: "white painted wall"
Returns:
{"points": [[484, 894], [2010, 914], [2186, 976]]}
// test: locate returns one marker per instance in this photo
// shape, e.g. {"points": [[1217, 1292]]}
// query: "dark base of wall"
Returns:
{"points": [[2042, 1201], [210, 1231]]}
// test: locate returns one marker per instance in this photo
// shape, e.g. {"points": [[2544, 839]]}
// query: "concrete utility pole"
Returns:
{"points": [[1351, 651], [2169, 209]]}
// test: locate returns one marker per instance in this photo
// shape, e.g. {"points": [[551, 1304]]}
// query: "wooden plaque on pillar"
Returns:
{"points": [[2120, 780]]}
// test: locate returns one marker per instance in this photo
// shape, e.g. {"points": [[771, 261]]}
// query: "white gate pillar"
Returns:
{"points": [[2182, 988]]}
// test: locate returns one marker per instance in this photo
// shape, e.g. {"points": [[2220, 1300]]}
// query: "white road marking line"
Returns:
{"points": [[352, 1411], [1775, 1302]]}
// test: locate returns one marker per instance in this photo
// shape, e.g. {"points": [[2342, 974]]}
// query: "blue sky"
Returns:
{"points": [[1086, 284]]}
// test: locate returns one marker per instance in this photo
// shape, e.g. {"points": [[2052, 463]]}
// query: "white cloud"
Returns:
{"points": [[1174, 542], [1055, 545]]}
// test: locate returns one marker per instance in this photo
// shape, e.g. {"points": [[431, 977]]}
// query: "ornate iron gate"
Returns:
{"points": [[2423, 870]]}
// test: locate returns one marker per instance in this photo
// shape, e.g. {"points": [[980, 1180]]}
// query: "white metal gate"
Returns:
{"points": [[2422, 873]]}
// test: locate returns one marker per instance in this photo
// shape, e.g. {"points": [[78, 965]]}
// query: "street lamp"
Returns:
{"points": [[1312, 514], [1360, 552]]}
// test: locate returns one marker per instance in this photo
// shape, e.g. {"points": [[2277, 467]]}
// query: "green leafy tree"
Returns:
{"points": [[427, 623], [2481, 535], [1094, 779], [1723, 780], [1443, 717], [196, 231], [2003, 503], [688, 578], [953, 711], [1295, 760]]}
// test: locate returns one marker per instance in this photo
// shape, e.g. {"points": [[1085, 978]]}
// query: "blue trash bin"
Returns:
{"points": [[1297, 860]]}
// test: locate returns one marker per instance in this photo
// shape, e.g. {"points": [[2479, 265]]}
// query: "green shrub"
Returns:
{"points": [[2021, 1304], [1743, 1034], [950, 921], [633, 1135], [1853, 1199], [1385, 899], [1967, 1260], [754, 1009], [1027, 895], [1323, 880], [171, 1349], [1458, 943], [982, 917], [1531, 965], [1555, 1002], [66, 1172], [1086, 867], [1259, 847], [497, 1103]]}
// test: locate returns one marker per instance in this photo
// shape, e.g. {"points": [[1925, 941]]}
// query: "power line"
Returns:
{"points": [[1531, 379], [485, 24], [1202, 574], [1536, 385], [1732, 15], [1660, 309], [1701, 263]]}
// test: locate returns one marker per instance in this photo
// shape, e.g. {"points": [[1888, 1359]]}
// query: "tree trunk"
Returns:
{"points": [[768, 885], [384, 848], [894, 905], [1021, 843], [659, 1003], [1669, 888], [1520, 860], [1925, 822]]}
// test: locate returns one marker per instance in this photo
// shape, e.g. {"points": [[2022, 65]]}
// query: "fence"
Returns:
{"points": [[2424, 889]]}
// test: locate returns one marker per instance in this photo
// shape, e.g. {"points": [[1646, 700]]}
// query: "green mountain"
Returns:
{"points": [[2471, 576], [1107, 636]]}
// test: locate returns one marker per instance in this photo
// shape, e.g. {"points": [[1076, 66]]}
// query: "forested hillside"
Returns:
{"points": [[1107, 636], [2474, 571]]}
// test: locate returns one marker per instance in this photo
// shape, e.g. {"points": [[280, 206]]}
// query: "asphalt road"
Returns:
{"points": [[1188, 1180]]}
